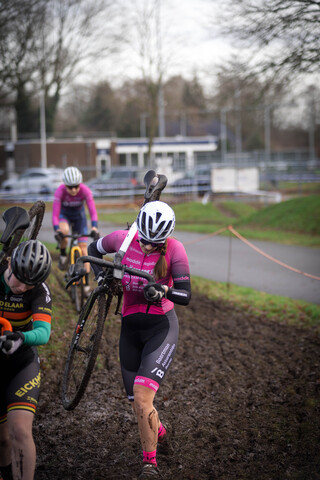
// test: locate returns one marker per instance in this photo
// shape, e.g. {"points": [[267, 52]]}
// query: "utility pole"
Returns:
{"points": [[183, 124], [161, 120], [223, 133], [43, 130], [312, 150], [267, 133], [238, 124], [143, 127], [161, 114]]}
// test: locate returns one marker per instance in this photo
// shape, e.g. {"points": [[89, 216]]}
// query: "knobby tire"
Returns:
{"points": [[77, 293], [84, 349]]}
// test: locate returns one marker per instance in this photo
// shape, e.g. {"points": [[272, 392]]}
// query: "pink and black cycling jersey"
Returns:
{"points": [[177, 272], [73, 206]]}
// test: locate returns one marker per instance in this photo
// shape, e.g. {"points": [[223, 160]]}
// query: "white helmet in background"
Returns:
{"points": [[72, 176], [155, 221]]}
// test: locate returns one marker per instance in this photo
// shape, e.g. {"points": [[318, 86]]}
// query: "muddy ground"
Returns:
{"points": [[242, 397]]}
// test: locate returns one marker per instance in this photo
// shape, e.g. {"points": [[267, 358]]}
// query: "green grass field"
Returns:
{"points": [[293, 222]]}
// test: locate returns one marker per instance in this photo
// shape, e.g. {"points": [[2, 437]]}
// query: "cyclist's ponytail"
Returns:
{"points": [[160, 269]]}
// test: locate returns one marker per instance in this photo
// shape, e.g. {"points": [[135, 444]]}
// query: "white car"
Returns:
{"points": [[34, 180]]}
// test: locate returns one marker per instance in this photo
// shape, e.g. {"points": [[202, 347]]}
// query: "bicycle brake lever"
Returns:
{"points": [[74, 279], [76, 272]]}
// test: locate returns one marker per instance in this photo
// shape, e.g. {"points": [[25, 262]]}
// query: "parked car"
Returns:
{"points": [[117, 180], [197, 180], [34, 180]]}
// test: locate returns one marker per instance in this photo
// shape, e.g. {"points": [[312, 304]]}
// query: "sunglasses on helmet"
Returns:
{"points": [[153, 244]]}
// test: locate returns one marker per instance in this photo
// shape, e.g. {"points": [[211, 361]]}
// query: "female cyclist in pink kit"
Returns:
{"points": [[149, 329], [68, 209]]}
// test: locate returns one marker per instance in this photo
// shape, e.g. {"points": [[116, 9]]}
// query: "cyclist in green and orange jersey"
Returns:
{"points": [[25, 301]]}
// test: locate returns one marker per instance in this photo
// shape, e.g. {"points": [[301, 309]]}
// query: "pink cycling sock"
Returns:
{"points": [[161, 432], [150, 457]]}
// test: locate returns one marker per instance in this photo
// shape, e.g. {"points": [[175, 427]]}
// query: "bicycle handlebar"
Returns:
{"points": [[74, 236], [77, 235], [77, 274], [6, 327]]}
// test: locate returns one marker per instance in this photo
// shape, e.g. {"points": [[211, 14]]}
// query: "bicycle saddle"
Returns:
{"points": [[154, 183], [15, 218]]}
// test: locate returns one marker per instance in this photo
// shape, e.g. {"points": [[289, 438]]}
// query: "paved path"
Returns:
{"points": [[223, 259], [228, 259]]}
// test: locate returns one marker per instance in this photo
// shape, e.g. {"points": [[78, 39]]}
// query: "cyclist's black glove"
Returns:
{"points": [[95, 234], [10, 342], [59, 236], [153, 292]]}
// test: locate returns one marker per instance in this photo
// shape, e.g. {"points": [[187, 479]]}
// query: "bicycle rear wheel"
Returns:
{"points": [[77, 293], [36, 214], [83, 350]]}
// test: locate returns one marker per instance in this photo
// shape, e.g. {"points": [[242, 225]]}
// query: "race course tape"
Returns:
{"points": [[240, 237]]}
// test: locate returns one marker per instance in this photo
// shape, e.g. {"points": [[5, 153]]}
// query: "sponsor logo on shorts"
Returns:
{"points": [[35, 382]]}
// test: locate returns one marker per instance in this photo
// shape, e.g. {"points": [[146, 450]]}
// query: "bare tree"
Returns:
{"points": [[46, 43], [244, 99], [148, 43], [152, 55], [285, 32]]}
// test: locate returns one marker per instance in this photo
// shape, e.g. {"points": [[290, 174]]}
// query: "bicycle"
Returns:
{"points": [[74, 252], [88, 331], [20, 226]]}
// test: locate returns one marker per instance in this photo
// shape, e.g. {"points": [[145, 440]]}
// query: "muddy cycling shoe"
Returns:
{"points": [[86, 291], [62, 262], [149, 470]]}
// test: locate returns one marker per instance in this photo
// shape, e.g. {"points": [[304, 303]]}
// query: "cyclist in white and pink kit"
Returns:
{"points": [[68, 210], [149, 329]]}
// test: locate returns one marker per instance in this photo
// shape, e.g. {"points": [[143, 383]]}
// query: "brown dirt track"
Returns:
{"points": [[242, 397]]}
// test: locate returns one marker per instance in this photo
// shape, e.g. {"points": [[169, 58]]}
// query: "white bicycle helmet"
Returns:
{"points": [[155, 221], [72, 176]]}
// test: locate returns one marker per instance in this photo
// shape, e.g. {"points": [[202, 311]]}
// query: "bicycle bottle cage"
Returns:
{"points": [[154, 183], [15, 218]]}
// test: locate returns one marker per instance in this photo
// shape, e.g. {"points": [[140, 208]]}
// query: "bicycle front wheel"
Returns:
{"points": [[83, 350], [77, 293]]}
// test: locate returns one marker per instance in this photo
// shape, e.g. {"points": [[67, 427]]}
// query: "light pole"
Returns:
{"points": [[43, 130]]}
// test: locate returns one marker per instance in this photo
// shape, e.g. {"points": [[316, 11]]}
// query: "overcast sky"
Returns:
{"points": [[184, 36]]}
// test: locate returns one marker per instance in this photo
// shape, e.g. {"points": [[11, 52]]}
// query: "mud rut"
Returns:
{"points": [[242, 397]]}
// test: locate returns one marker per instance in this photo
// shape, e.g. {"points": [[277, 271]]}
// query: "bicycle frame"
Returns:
{"points": [[87, 334], [74, 250], [74, 253]]}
